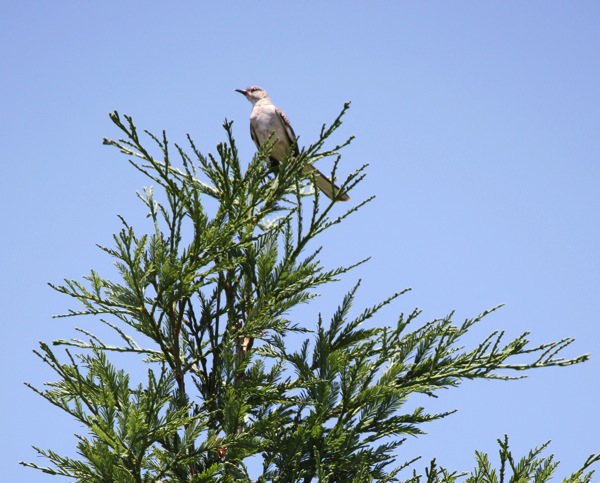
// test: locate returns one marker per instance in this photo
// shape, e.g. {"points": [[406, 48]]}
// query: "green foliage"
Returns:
{"points": [[205, 303], [534, 467]]}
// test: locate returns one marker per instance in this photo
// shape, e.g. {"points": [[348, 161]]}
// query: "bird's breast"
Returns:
{"points": [[264, 124], [265, 121]]}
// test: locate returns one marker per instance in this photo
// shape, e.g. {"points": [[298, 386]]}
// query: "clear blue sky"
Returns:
{"points": [[480, 121]]}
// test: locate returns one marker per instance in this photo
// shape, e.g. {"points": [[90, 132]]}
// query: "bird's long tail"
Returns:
{"points": [[326, 185]]}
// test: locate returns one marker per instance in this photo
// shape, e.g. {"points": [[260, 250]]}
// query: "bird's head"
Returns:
{"points": [[254, 94]]}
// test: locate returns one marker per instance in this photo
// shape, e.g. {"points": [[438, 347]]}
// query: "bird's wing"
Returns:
{"points": [[288, 128]]}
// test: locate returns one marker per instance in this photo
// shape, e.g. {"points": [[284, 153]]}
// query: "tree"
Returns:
{"points": [[205, 304]]}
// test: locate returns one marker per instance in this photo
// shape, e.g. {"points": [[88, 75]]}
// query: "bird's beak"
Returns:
{"points": [[241, 91]]}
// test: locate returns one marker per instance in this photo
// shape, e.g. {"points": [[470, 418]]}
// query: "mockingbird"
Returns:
{"points": [[266, 120]]}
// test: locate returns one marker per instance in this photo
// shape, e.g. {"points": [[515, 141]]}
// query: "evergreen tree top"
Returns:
{"points": [[236, 388]]}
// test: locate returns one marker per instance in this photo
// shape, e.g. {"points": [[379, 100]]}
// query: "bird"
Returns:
{"points": [[266, 120]]}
